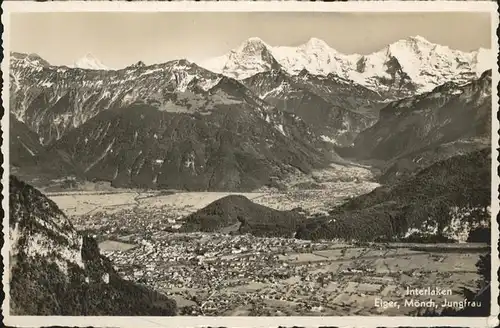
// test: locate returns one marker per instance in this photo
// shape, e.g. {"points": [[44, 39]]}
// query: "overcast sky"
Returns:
{"points": [[121, 39]]}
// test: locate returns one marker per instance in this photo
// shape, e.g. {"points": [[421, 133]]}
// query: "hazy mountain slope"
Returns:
{"points": [[239, 214], [446, 201], [56, 271], [417, 131], [228, 146], [30, 160], [405, 67], [24, 145], [334, 108]]}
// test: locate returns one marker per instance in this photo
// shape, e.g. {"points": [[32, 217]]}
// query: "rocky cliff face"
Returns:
{"points": [[54, 270]]}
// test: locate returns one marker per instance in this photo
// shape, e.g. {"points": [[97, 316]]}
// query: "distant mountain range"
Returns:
{"points": [[405, 67], [270, 111]]}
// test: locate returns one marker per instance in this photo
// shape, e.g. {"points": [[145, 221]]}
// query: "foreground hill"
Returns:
{"points": [[239, 214], [448, 201], [56, 271]]}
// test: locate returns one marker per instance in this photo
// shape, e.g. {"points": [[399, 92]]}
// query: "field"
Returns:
{"points": [[315, 193]]}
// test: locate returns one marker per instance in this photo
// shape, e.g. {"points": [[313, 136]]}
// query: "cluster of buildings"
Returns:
{"points": [[215, 274], [131, 221]]}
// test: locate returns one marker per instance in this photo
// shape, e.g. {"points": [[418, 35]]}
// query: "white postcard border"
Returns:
{"points": [[181, 321]]}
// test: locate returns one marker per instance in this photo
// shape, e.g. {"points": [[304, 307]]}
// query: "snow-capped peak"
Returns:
{"points": [[251, 57], [255, 40], [316, 56], [416, 45], [419, 39], [90, 62], [251, 46], [420, 63], [318, 44]]}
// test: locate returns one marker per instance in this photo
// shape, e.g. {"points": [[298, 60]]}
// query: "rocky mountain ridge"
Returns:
{"points": [[54, 99]]}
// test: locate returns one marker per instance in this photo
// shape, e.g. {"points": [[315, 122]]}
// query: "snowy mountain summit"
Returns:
{"points": [[90, 62], [251, 57], [411, 65]]}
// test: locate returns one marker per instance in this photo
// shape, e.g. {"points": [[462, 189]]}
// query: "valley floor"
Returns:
{"points": [[315, 193], [215, 274]]}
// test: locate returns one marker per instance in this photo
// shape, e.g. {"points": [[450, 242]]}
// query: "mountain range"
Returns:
{"points": [[402, 68], [132, 126], [264, 113], [68, 121]]}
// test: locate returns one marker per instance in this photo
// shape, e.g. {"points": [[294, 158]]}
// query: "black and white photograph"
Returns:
{"points": [[250, 164]]}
